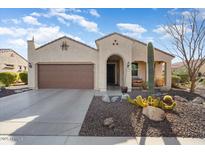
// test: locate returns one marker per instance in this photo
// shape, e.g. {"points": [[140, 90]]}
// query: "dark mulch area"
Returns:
{"points": [[186, 120], [7, 92]]}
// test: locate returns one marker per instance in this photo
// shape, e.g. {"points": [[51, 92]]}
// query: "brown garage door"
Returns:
{"points": [[71, 76]]}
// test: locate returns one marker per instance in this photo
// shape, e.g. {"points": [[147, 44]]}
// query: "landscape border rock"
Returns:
{"points": [[154, 113], [198, 100]]}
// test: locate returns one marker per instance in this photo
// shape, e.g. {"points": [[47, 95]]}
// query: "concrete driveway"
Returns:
{"points": [[44, 112]]}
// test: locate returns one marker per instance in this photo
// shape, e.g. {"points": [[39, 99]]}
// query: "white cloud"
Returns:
{"points": [[14, 32], [14, 21], [80, 20], [73, 10], [5, 31], [131, 29], [31, 20], [17, 42], [41, 34], [46, 34], [35, 14], [61, 20], [173, 11], [159, 29], [94, 12], [63, 17]]}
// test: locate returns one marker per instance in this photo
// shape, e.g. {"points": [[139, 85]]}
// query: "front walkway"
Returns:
{"points": [[79, 140]]}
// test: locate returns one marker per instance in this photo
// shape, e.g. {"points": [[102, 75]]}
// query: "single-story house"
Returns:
{"points": [[11, 61], [67, 63]]}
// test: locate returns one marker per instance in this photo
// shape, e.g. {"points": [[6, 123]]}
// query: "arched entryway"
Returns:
{"points": [[115, 72]]}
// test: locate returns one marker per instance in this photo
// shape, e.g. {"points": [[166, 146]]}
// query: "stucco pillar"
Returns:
{"points": [[168, 74], [128, 75], [102, 82], [31, 66]]}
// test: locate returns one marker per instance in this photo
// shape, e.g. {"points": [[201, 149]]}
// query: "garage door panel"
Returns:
{"points": [[72, 76]]}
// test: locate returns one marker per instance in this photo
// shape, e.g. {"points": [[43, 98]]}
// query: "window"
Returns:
{"points": [[20, 67], [25, 68], [9, 66], [134, 69]]}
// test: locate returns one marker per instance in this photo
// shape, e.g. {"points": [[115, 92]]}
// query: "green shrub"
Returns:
{"points": [[8, 78], [24, 77], [175, 80], [184, 78]]}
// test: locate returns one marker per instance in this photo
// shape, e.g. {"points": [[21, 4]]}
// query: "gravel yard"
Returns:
{"points": [[186, 120]]}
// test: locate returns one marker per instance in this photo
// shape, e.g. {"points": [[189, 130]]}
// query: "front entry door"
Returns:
{"points": [[110, 74]]}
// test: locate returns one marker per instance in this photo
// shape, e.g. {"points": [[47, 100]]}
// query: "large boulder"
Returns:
{"points": [[180, 99], [165, 89], [154, 113], [198, 100]]}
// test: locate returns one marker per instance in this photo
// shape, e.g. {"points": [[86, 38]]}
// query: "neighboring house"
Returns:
{"points": [[179, 66], [67, 63], [11, 61]]}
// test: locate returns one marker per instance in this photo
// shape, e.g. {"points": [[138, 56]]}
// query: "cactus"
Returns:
{"points": [[150, 60], [155, 102], [167, 99], [141, 102]]}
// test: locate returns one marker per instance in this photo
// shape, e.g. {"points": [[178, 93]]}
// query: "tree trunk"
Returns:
{"points": [[193, 85]]}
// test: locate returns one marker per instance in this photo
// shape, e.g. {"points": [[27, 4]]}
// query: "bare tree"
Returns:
{"points": [[187, 34]]}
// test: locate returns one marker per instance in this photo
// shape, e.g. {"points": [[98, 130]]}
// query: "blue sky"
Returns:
{"points": [[85, 25]]}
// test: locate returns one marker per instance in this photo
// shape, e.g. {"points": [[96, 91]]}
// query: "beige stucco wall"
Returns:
{"points": [[128, 49], [15, 59], [52, 53], [107, 49]]}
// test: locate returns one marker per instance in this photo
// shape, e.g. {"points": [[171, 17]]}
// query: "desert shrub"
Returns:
{"points": [[8, 78], [184, 78], [175, 80], [24, 77], [159, 82]]}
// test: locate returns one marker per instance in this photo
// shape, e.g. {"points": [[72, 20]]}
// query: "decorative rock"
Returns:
{"points": [[180, 99], [125, 96], [198, 100], [109, 122], [114, 99], [165, 89], [154, 113], [106, 98]]}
